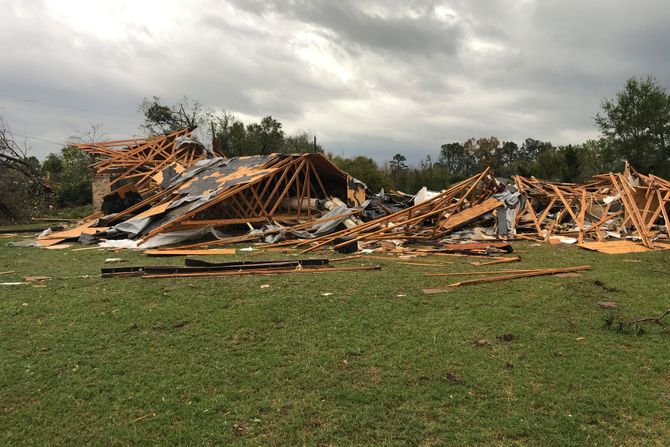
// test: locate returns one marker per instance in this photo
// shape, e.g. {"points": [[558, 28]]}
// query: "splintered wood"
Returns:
{"points": [[171, 184], [427, 221], [611, 205], [140, 162], [500, 275]]}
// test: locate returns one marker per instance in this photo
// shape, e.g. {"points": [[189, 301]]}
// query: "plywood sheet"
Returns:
{"points": [[620, 247], [86, 228], [470, 213]]}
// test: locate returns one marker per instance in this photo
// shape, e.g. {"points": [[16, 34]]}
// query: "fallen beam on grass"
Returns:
{"points": [[189, 252], [544, 272], [496, 261], [201, 266], [262, 272], [490, 272]]}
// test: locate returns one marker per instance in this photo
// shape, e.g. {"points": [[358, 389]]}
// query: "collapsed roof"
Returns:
{"points": [[185, 192]]}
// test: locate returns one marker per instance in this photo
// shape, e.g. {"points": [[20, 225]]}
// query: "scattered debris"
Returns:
{"points": [[608, 304], [58, 246], [435, 291], [541, 272], [506, 337], [186, 252], [481, 342], [634, 325], [497, 261], [36, 278], [198, 268], [454, 378], [113, 260], [603, 286]]}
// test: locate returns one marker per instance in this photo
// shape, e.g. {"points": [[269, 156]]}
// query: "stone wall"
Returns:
{"points": [[101, 187]]}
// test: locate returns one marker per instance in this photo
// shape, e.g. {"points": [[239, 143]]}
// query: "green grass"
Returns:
{"points": [[222, 361]]}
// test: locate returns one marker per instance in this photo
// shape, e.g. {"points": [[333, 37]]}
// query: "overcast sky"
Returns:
{"points": [[368, 77]]}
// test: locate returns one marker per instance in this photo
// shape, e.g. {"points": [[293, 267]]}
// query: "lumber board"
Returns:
{"points": [[469, 214], [189, 252], [520, 275], [264, 272]]}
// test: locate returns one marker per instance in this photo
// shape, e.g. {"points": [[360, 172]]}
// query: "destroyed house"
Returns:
{"points": [[220, 192]]}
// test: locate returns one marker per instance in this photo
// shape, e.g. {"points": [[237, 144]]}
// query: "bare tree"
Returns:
{"points": [[12, 156], [23, 192], [90, 136]]}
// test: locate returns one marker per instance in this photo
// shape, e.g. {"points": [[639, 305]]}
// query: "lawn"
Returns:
{"points": [[352, 358]]}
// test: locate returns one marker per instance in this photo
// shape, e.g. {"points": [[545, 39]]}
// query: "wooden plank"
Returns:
{"points": [[186, 252], [490, 272], [497, 261], [48, 242], [469, 214], [265, 272], [520, 275]]}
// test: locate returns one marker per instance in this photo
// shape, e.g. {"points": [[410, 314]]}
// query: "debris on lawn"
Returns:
{"points": [[36, 278], [497, 261], [603, 286], [436, 290], [187, 252], [500, 275], [506, 337], [634, 325], [505, 277], [608, 304], [199, 268], [58, 246], [451, 377]]}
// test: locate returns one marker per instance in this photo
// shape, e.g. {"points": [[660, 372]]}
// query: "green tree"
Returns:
{"points": [[264, 137], [300, 143], [637, 122], [454, 158], [505, 156], [229, 134], [481, 152], [52, 166], [397, 163], [75, 177], [160, 119], [364, 169]]}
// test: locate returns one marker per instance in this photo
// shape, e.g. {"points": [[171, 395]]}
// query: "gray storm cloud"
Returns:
{"points": [[367, 77]]}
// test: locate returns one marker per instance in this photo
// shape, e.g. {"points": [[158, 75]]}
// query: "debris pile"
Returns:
{"points": [[137, 164], [192, 199], [612, 206]]}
